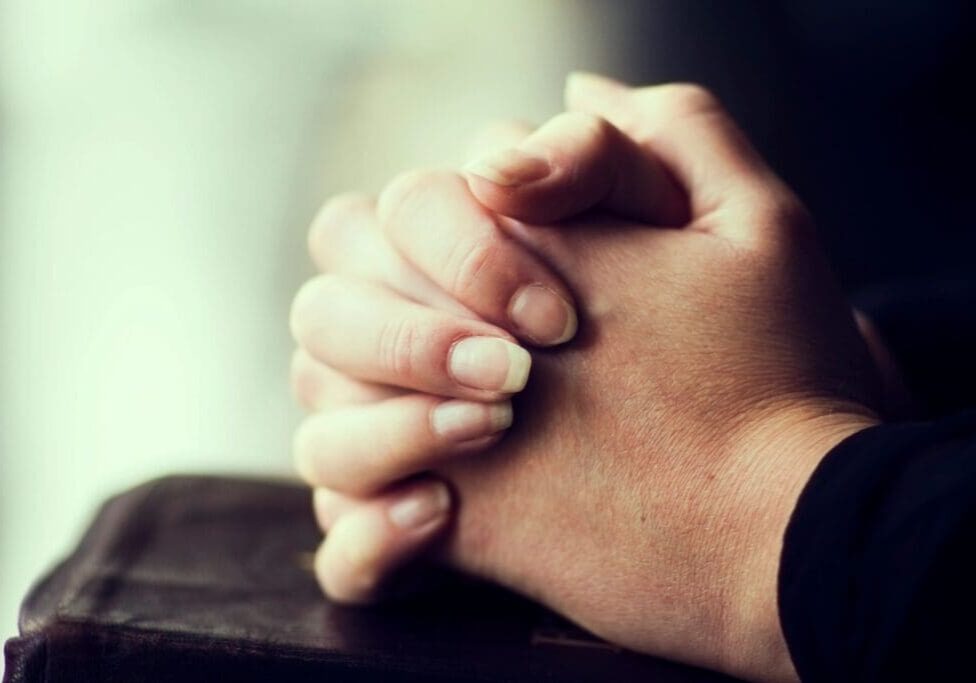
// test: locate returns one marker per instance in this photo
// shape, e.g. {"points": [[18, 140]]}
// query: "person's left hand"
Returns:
{"points": [[361, 411], [388, 382]]}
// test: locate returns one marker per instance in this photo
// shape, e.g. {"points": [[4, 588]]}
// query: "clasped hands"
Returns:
{"points": [[598, 367]]}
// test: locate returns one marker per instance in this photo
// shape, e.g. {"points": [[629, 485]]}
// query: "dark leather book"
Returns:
{"points": [[207, 579]]}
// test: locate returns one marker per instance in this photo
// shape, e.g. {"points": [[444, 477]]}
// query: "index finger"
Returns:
{"points": [[574, 162], [688, 129], [435, 222]]}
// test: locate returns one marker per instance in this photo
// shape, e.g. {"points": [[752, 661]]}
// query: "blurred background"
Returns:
{"points": [[160, 161]]}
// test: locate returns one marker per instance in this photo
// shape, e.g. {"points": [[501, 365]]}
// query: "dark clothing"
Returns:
{"points": [[876, 580], [860, 105], [930, 327], [877, 574]]}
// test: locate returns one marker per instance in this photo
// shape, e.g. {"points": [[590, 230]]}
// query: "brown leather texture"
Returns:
{"points": [[208, 579]]}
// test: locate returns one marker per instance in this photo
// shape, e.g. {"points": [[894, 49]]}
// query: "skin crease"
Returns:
{"points": [[645, 486], [647, 437]]}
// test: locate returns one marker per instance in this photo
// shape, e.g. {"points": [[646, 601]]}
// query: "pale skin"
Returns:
{"points": [[654, 460]]}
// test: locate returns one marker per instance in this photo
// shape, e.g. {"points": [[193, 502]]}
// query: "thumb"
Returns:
{"points": [[686, 128], [574, 162]]}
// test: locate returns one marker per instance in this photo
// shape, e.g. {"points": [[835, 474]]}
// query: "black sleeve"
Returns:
{"points": [[878, 574]]}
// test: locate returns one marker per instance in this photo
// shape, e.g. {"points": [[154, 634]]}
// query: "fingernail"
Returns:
{"points": [[510, 167], [464, 420], [542, 315], [490, 363], [420, 507]]}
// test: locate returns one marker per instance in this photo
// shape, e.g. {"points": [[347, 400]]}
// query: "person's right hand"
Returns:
{"points": [[590, 163]]}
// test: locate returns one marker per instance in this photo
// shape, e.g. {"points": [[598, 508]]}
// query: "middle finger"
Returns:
{"points": [[370, 333]]}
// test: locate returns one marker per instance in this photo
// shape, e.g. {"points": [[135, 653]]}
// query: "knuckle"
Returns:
{"points": [[688, 98], [306, 384], [789, 212], [593, 140], [324, 517], [780, 223], [314, 455], [311, 305], [339, 213], [399, 349], [328, 285], [591, 127], [301, 306], [469, 263], [676, 100], [304, 451], [782, 213], [328, 506], [407, 192]]}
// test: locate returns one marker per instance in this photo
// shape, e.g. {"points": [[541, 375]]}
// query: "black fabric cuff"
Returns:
{"points": [[876, 570]]}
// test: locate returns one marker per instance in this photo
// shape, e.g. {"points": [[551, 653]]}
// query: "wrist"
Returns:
{"points": [[776, 459]]}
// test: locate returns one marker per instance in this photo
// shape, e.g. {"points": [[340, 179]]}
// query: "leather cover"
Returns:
{"points": [[207, 579]]}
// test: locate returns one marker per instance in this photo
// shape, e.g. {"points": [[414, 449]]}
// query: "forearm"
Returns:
{"points": [[781, 459]]}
